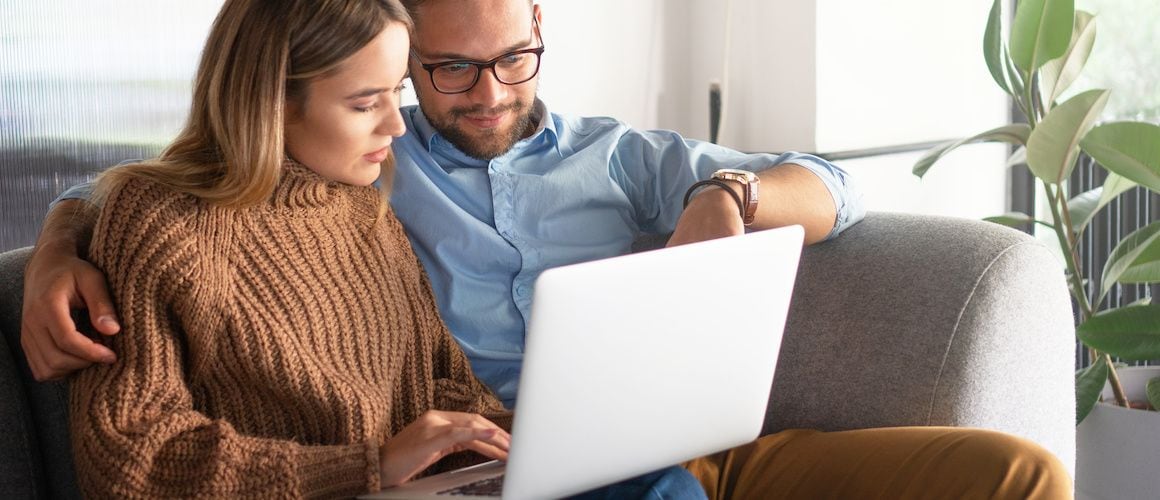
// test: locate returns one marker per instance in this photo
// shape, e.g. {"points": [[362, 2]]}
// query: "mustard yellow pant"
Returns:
{"points": [[888, 463]]}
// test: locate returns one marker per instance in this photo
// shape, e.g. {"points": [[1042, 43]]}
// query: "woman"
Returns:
{"points": [[280, 336], [278, 327]]}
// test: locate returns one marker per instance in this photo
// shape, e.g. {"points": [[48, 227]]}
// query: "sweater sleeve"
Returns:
{"points": [[135, 429]]}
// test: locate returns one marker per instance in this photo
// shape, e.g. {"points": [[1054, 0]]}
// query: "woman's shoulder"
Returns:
{"points": [[139, 217], [129, 193]]}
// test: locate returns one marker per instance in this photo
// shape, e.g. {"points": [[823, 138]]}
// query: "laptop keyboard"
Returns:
{"points": [[490, 487]]}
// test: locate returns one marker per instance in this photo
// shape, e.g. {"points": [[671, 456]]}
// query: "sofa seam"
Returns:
{"points": [[958, 320]]}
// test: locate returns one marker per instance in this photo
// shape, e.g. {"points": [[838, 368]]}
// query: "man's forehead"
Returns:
{"points": [[472, 28], [441, 14]]}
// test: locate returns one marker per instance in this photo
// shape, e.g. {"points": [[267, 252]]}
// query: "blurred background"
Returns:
{"points": [[87, 84]]}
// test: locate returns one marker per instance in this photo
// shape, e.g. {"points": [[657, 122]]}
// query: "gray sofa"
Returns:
{"points": [[903, 320]]}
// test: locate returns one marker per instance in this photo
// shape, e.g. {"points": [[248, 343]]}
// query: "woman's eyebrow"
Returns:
{"points": [[367, 92]]}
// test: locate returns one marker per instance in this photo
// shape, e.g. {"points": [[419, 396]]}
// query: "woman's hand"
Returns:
{"points": [[434, 435]]}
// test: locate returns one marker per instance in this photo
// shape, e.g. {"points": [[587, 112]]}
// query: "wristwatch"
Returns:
{"points": [[749, 182]]}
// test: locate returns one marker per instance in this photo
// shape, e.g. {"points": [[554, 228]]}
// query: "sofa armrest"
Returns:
{"points": [[38, 411], [932, 321]]}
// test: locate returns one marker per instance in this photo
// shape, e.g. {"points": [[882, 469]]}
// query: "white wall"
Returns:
{"points": [[904, 71], [822, 75]]}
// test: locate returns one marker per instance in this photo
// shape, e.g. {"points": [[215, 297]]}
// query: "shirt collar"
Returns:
{"points": [[546, 125]]}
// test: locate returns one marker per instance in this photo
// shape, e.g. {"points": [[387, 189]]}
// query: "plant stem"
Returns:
{"points": [[1075, 280], [1028, 103], [1068, 246], [1114, 379], [1068, 240]]}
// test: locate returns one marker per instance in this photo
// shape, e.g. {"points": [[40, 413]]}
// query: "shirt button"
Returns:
{"points": [[522, 290]]}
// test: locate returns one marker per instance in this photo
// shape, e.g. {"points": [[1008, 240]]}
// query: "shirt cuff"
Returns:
{"points": [[848, 201]]}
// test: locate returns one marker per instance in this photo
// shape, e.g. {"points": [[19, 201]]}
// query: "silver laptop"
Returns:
{"points": [[639, 362]]}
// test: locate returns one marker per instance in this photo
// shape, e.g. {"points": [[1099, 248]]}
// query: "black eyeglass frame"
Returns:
{"points": [[490, 64]]}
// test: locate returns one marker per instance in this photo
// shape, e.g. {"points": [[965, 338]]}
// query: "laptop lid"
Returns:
{"points": [[639, 362], [643, 361]]}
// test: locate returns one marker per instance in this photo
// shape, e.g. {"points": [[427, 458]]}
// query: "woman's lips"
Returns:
{"points": [[378, 156]]}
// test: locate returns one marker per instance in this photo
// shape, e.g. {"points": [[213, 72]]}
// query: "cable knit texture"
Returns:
{"points": [[265, 352]]}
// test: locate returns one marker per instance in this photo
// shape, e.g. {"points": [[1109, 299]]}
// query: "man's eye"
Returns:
{"points": [[455, 69], [513, 59]]}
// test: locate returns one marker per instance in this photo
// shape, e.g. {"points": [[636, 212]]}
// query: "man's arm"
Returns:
{"points": [[788, 194], [656, 168], [56, 281]]}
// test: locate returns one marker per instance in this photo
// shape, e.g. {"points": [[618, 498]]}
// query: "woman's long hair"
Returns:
{"points": [[259, 54]]}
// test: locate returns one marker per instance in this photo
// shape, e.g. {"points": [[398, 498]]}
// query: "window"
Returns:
{"points": [[86, 85]]}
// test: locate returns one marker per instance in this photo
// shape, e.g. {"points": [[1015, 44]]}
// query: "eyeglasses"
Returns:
{"points": [[513, 68]]}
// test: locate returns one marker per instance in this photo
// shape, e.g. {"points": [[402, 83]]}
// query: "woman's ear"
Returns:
{"points": [[291, 111]]}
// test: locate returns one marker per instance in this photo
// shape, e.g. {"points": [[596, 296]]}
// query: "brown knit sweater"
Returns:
{"points": [[265, 352]]}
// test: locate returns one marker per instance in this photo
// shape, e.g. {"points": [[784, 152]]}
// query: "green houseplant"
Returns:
{"points": [[1046, 49]]}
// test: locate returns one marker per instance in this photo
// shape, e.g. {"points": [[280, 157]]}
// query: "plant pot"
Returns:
{"points": [[1117, 449]]}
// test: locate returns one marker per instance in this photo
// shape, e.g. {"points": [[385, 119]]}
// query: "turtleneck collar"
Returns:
{"points": [[302, 188]]}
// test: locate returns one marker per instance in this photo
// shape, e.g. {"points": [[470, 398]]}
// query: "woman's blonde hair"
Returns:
{"points": [[259, 54]]}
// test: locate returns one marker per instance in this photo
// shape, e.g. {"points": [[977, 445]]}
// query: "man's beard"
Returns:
{"points": [[492, 142]]}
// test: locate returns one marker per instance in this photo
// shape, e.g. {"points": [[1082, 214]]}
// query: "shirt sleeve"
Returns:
{"points": [[135, 429], [83, 191], [654, 168]]}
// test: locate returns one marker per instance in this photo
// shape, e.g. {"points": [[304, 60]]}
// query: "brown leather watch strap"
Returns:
{"points": [[749, 190]]}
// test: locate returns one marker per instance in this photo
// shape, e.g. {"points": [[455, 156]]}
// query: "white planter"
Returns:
{"points": [[1118, 449]]}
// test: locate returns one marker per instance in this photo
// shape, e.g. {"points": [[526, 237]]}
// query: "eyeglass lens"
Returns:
{"points": [[509, 69]]}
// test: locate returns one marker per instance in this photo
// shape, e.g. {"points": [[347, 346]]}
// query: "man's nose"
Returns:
{"points": [[488, 91]]}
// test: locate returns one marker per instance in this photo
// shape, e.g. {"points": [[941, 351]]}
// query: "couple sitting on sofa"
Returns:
{"points": [[277, 334]]}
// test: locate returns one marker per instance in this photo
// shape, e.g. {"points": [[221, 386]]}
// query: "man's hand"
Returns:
{"points": [[711, 214], [434, 435], [55, 282]]}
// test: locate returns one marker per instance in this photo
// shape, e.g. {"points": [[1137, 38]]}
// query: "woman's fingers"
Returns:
{"points": [[435, 435]]}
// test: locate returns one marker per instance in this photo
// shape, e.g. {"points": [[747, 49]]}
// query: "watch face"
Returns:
{"points": [[736, 172]]}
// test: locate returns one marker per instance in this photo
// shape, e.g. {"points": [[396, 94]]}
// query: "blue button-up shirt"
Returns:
{"points": [[577, 189]]}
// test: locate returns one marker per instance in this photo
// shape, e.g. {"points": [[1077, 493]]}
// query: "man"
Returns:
{"points": [[493, 189]]}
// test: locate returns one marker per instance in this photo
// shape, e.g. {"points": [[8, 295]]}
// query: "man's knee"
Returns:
{"points": [[1018, 467]]}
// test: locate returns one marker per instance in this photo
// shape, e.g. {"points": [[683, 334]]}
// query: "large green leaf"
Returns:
{"points": [[1019, 157], [1014, 219], [1089, 382], [1114, 186], [1015, 133], [1130, 149], [993, 51], [1131, 333], [1126, 253], [1085, 206], [1153, 389], [1014, 76], [1146, 267], [1059, 73], [1041, 32], [1054, 144]]}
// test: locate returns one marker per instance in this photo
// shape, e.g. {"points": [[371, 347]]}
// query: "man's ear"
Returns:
{"points": [[538, 15]]}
